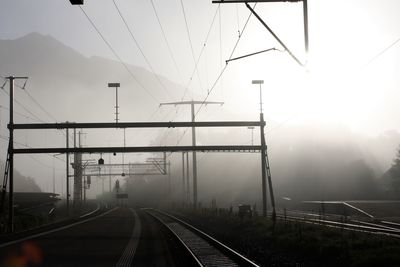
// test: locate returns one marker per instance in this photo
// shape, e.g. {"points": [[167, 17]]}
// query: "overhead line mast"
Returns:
{"points": [[192, 103], [305, 20]]}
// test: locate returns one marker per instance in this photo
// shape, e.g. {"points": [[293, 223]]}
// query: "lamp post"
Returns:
{"points": [[252, 134], [115, 85], [260, 82], [263, 153], [265, 171]]}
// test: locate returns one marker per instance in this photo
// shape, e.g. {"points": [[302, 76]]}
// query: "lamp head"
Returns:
{"points": [[113, 84], [257, 81]]}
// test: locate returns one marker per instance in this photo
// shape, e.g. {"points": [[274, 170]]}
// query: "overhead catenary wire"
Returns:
{"points": [[201, 53], [220, 47], [190, 42], [20, 114], [220, 74], [35, 117], [32, 98], [141, 50], [25, 109], [117, 56], [166, 133], [383, 51], [226, 65], [166, 40], [5, 138]]}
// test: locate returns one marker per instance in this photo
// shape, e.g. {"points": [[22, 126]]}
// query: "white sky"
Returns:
{"points": [[344, 36]]}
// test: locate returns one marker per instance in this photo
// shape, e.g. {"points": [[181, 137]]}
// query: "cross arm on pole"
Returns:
{"points": [[305, 19], [274, 35], [252, 1], [192, 102]]}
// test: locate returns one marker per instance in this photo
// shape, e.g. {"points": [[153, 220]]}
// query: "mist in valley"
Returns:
{"points": [[334, 142]]}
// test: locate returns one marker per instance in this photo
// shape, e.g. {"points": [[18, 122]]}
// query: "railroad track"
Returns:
{"points": [[382, 228], [206, 250]]}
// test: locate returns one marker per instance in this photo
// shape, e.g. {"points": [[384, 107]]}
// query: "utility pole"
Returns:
{"points": [[67, 167], [77, 173], [187, 179], [183, 179], [54, 178], [169, 180], [10, 158], [265, 169], [192, 104], [263, 150]]}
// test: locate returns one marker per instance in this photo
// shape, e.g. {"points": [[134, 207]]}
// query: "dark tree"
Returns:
{"points": [[395, 173]]}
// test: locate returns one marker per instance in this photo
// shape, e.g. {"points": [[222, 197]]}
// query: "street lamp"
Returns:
{"points": [[263, 153], [116, 85], [265, 171], [252, 131], [260, 82]]}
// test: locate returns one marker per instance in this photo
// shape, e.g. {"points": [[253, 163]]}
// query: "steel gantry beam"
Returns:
{"points": [[103, 125], [142, 149]]}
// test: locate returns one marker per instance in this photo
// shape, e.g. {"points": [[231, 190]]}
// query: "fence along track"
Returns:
{"points": [[207, 250]]}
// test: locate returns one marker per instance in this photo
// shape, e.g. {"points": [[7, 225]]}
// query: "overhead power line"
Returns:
{"points": [[190, 41], [220, 74], [381, 52], [117, 56], [141, 50], [19, 114], [40, 106], [24, 108], [166, 40], [201, 53], [226, 65], [196, 67]]}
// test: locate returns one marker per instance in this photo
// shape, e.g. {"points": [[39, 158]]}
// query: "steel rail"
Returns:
{"points": [[377, 229], [178, 238], [235, 256]]}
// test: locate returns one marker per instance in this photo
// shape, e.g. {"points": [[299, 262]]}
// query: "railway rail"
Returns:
{"points": [[206, 250], [375, 227]]}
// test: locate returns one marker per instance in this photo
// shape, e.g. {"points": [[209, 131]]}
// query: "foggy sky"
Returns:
{"points": [[344, 36]]}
